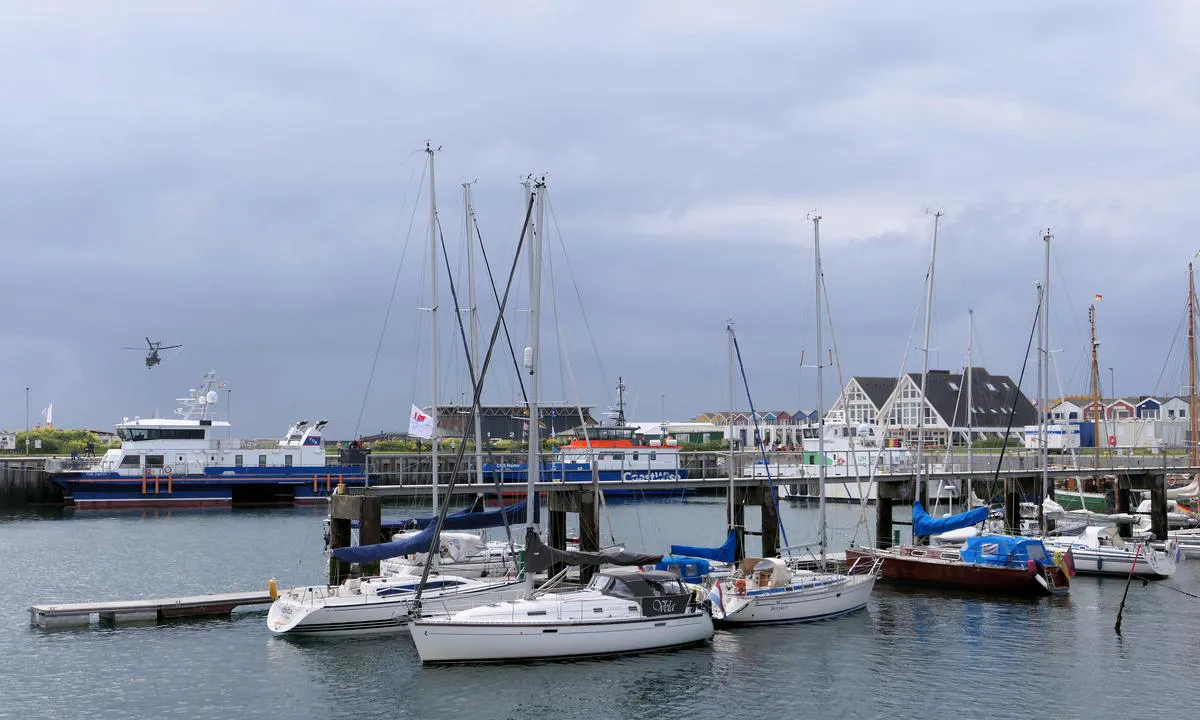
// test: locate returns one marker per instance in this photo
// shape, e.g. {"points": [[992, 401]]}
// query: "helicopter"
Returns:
{"points": [[152, 357]]}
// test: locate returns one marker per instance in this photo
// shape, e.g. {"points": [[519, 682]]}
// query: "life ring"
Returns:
{"points": [[739, 586], [841, 461], [167, 469]]}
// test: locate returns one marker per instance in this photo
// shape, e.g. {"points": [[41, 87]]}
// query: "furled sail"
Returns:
{"points": [[925, 524], [469, 519], [418, 543], [725, 553], [540, 557]]}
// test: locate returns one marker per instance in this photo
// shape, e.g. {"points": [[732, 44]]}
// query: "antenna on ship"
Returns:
{"points": [[620, 402]]}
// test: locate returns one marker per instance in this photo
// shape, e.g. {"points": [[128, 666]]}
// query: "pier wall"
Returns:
{"points": [[24, 481]]}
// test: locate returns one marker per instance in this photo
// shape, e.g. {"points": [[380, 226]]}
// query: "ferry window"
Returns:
{"points": [[287, 460], [635, 456], [154, 461], [131, 461], [619, 456], [653, 455], [262, 460], [237, 460]]}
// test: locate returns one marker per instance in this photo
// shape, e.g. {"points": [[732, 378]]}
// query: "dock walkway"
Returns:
{"points": [[121, 611]]}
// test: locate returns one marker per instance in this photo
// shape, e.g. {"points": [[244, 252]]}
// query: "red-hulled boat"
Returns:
{"points": [[988, 563]]}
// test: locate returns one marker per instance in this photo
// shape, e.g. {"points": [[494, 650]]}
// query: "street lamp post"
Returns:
{"points": [[26, 419]]}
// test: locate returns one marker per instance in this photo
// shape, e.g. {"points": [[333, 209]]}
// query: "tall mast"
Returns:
{"points": [[970, 409], [433, 327], [533, 466], [1097, 405], [937, 216], [729, 424], [1192, 421], [469, 218], [821, 470], [1044, 379]]}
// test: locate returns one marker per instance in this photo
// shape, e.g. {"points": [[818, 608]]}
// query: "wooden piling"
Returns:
{"points": [[1124, 498], [770, 522], [1158, 507], [589, 530]]}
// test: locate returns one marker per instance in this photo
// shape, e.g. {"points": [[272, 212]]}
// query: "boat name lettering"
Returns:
{"points": [[645, 475], [664, 606]]}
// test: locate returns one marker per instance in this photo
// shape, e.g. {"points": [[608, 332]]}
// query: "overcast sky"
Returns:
{"points": [[243, 178]]}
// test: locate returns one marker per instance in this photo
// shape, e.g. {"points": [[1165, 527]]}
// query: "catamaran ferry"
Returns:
{"points": [[187, 461]]}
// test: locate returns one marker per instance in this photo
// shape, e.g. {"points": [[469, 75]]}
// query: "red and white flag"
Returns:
{"points": [[419, 424]]}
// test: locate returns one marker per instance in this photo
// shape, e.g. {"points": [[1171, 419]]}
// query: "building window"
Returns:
{"points": [[262, 460], [237, 460]]}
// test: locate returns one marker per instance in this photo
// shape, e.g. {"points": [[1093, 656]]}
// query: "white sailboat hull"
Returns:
{"points": [[1151, 564], [444, 641], [322, 611], [804, 603]]}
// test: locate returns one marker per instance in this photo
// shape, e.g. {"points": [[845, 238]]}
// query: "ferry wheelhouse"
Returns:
{"points": [[190, 460]]}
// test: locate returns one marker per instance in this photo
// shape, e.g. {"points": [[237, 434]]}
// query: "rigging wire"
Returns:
{"points": [[391, 300], [503, 320]]}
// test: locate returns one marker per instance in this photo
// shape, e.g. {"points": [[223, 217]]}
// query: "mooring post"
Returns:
{"points": [[770, 522], [369, 522], [1158, 506], [885, 494], [1012, 505], [341, 513], [1124, 497], [589, 530], [558, 531]]}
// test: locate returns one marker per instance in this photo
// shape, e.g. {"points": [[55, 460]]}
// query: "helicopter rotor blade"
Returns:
{"points": [[169, 347]]}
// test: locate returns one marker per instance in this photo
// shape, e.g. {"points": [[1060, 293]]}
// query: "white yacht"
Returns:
{"points": [[621, 611], [765, 590]]}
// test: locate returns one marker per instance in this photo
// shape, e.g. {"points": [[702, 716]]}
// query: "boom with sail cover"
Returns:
{"points": [[540, 557], [925, 524], [724, 553], [469, 519]]}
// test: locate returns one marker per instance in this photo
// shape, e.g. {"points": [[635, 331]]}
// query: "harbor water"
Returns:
{"points": [[911, 654]]}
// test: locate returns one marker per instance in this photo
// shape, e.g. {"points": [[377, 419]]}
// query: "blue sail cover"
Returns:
{"points": [[419, 543], [1005, 551], [925, 524], [725, 553], [466, 519]]}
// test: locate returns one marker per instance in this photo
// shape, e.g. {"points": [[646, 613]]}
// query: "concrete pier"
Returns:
{"points": [[24, 481]]}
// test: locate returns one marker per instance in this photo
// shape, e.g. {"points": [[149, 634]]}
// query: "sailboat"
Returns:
{"points": [[767, 590], [384, 604], [989, 563], [620, 611]]}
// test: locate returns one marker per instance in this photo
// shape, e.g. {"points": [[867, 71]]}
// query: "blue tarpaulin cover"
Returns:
{"points": [[925, 524], [1004, 551], [725, 553], [690, 569]]}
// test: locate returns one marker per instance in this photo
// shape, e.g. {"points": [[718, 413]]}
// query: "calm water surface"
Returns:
{"points": [[910, 655]]}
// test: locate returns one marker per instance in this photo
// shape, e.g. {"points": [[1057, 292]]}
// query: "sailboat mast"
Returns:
{"points": [[729, 424], [1192, 421], [469, 218], [533, 466], [821, 470], [433, 327], [1097, 405], [1044, 379], [937, 216], [970, 410]]}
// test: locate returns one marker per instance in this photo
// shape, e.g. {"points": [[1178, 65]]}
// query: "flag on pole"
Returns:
{"points": [[48, 413], [1099, 297], [419, 424]]}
